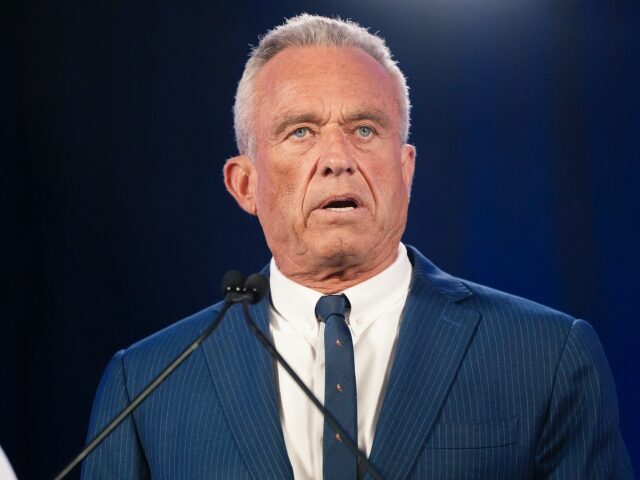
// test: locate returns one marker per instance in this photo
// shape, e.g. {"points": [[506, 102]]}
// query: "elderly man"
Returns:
{"points": [[431, 376]]}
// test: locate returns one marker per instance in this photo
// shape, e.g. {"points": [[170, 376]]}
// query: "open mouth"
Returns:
{"points": [[342, 205]]}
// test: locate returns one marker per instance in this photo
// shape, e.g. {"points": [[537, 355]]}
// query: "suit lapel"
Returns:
{"points": [[434, 335], [245, 383]]}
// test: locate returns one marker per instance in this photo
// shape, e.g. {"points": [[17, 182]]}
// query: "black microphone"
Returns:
{"points": [[233, 290], [256, 287], [232, 281], [233, 286]]}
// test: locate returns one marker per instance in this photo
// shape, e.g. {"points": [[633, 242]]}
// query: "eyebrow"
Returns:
{"points": [[292, 119], [375, 115]]}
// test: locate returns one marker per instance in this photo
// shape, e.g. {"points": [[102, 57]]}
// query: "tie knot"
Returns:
{"points": [[331, 305]]}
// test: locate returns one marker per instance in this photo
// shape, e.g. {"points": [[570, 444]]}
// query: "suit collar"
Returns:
{"points": [[435, 333], [244, 381], [424, 269]]}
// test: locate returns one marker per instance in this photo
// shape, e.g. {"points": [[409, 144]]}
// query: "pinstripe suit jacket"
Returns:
{"points": [[484, 385]]}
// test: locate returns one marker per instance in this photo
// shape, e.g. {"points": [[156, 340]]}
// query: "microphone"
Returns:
{"points": [[238, 288], [232, 281], [233, 286], [233, 291], [256, 287]]}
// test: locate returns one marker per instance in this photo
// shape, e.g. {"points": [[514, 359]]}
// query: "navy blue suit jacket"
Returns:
{"points": [[484, 385]]}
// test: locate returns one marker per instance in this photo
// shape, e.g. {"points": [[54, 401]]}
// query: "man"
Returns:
{"points": [[432, 376]]}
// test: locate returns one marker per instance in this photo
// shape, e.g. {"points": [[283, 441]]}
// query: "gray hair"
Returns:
{"points": [[312, 31]]}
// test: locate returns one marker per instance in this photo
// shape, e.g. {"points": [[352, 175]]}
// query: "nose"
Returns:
{"points": [[336, 156]]}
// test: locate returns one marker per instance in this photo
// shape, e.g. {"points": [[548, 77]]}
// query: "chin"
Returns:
{"points": [[340, 251]]}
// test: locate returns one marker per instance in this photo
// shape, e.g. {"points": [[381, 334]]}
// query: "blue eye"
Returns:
{"points": [[365, 132], [300, 132]]}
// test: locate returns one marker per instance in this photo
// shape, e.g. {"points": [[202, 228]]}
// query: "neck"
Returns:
{"points": [[338, 275]]}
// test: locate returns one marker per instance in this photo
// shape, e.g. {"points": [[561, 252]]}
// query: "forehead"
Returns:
{"points": [[324, 77]]}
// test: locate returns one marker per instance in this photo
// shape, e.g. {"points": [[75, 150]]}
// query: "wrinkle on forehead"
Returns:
{"points": [[318, 80]]}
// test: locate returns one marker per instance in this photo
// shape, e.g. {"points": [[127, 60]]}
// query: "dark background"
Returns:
{"points": [[116, 223]]}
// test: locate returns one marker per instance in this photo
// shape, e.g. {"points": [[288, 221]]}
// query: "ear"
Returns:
{"points": [[408, 164], [240, 178]]}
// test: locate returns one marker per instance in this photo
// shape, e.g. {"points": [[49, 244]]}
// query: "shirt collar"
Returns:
{"points": [[295, 303], [369, 300]]}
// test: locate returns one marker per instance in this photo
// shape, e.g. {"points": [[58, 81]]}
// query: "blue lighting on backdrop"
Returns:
{"points": [[526, 119]]}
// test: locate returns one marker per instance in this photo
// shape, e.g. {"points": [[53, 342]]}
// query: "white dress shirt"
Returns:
{"points": [[374, 319]]}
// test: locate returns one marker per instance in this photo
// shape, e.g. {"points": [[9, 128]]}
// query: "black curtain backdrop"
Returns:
{"points": [[116, 223]]}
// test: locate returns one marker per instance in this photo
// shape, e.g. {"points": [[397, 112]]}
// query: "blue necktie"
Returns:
{"points": [[338, 463]]}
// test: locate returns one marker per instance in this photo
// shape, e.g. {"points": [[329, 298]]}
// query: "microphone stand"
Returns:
{"points": [[331, 420], [233, 294]]}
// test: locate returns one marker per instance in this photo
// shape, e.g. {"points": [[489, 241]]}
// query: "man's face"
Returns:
{"points": [[330, 177]]}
